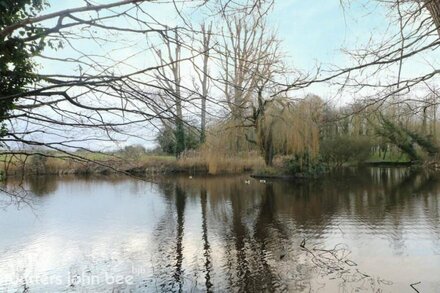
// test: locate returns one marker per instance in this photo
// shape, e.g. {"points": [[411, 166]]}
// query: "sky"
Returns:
{"points": [[313, 34]]}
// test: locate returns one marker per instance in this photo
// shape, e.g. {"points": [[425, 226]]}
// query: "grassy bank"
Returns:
{"points": [[201, 162], [139, 164]]}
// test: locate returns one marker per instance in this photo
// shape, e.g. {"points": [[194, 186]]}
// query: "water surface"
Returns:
{"points": [[369, 230]]}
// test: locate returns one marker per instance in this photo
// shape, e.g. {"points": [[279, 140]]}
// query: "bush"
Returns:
{"points": [[167, 140], [132, 152], [344, 149], [304, 165], [38, 164]]}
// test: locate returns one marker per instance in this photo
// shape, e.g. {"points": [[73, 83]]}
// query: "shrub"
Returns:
{"points": [[38, 164], [167, 140], [304, 165], [344, 149], [133, 152]]}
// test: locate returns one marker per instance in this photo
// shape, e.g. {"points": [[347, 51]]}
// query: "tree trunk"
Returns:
{"points": [[268, 153], [424, 121], [433, 7], [204, 81], [180, 130]]}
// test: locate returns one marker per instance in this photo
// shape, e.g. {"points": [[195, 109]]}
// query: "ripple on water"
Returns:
{"points": [[216, 233]]}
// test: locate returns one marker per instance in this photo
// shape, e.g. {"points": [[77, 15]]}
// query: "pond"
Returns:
{"points": [[372, 230]]}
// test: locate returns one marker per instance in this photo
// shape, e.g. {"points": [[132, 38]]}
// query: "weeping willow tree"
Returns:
{"points": [[287, 128], [221, 153], [230, 137]]}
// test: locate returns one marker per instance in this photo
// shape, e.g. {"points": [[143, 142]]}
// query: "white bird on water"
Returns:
{"points": [[247, 182], [263, 181], [190, 177]]}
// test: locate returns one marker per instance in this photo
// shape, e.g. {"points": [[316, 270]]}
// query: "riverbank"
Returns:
{"points": [[145, 164]]}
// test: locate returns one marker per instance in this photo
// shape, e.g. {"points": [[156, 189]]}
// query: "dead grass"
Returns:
{"points": [[203, 161], [219, 163]]}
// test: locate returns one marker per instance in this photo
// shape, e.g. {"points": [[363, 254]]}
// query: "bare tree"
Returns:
{"points": [[413, 34], [169, 79], [250, 58], [204, 76]]}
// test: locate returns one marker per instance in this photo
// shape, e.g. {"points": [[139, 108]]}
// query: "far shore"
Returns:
{"points": [[147, 165]]}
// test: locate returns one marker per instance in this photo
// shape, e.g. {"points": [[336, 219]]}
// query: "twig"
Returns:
{"points": [[413, 286]]}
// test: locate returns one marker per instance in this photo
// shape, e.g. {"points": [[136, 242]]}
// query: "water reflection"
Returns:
{"points": [[219, 234], [206, 246], [43, 185]]}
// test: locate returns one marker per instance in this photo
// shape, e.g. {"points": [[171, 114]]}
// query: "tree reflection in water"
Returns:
{"points": [[367, 229], [206, 246], [258, 228]]}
